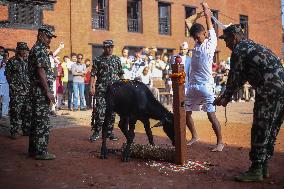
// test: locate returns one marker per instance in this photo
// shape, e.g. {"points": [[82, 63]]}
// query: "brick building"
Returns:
{"points": [[83, 24]]}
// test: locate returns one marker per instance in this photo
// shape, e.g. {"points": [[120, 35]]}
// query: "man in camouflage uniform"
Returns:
{"points": [[41, 77], [17, 76], [256, 64], [106, 69]]}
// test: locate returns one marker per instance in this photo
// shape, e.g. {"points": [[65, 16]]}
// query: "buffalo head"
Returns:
{"points": [[168, 126]]}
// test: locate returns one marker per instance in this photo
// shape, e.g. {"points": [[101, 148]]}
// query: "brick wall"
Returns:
{"points": [[264, 25]]}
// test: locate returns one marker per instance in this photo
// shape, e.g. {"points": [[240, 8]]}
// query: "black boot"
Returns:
{"points": [[254, 174], [95, 136], [265, 171], [112, 137]]}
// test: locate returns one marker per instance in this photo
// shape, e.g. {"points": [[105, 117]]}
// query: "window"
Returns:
{"points": [[134, 21], [23, 16], [164, 10], [100, 14], [97, 50], [244, 24], [189, 11], [215, 26], [27, 15]]}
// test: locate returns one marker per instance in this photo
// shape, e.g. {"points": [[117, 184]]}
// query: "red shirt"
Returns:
{"points": [[88, 77]]}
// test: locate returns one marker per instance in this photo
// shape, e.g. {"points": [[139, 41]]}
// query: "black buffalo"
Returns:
{"points": [[133, 101]]}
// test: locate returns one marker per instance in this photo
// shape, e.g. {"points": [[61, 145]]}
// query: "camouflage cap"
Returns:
{"points": [[47, 30], [22, 46], [108, 43], [236, 28]]}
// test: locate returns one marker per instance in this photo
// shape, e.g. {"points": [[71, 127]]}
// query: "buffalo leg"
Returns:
{"points": [[148, 130], [130, 138], [123, 125]]}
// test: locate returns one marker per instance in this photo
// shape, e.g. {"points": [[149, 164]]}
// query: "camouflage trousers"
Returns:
{"points": [[20, 114], [99, 114], [267, 119], [40, 125]]}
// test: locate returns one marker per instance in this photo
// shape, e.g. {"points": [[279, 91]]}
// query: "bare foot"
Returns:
{"points": [[193, 140], [218, 148]]}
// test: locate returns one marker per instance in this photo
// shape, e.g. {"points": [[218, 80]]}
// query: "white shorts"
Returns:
{"points": [[200, 97]]}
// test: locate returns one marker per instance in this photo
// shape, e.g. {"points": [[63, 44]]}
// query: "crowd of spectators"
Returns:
{"points": [[147, 65]]}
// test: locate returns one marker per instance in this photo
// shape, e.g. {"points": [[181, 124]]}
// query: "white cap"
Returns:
{"points": [[184, 45]]}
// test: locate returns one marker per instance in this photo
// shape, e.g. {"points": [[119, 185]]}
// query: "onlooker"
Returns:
{"points": [[64, 64], [88, 96], [41, 78], [59, 85], [145, 78], [126, 64], [137, 66], [54, 61], [4, 86], [183, 51], [70, 80], [238, 96], [217, 80], [79, 71], [249, 92], [223, 81], [158, 66], [17, 75]]}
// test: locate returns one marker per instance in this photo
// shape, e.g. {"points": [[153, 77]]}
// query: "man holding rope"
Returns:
{"points": [[256, 64], [201, 83]]}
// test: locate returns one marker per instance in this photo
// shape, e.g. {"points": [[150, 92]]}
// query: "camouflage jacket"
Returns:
{"points": [[17, 76], [107, 70], [256, 64], [38, 58]]}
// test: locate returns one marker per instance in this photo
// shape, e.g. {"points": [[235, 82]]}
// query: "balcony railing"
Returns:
{"points": [[164, 26], [99, 21], [133, 25]]}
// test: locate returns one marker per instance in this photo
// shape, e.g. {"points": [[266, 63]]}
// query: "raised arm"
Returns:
{"points": [[61, 46], [207, 14], [192, 19]]}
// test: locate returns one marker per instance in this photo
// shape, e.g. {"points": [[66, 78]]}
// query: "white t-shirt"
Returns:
{"points": [[69, 67], [202, 59], [145, 79]]}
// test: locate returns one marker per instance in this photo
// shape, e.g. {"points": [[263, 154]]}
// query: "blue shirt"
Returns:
{"points": [[2, 72]]}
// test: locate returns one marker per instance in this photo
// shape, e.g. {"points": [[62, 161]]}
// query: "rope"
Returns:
{"points": [[226, 119], [156, 126]]}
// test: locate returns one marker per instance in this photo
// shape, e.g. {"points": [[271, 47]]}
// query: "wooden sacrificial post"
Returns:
{"points": [[178, 80]]}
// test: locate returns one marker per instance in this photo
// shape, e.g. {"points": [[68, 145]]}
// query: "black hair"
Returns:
{"points": [[80, 55], [195, 29], [65, 57], [124, 49], [73, 54]]}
